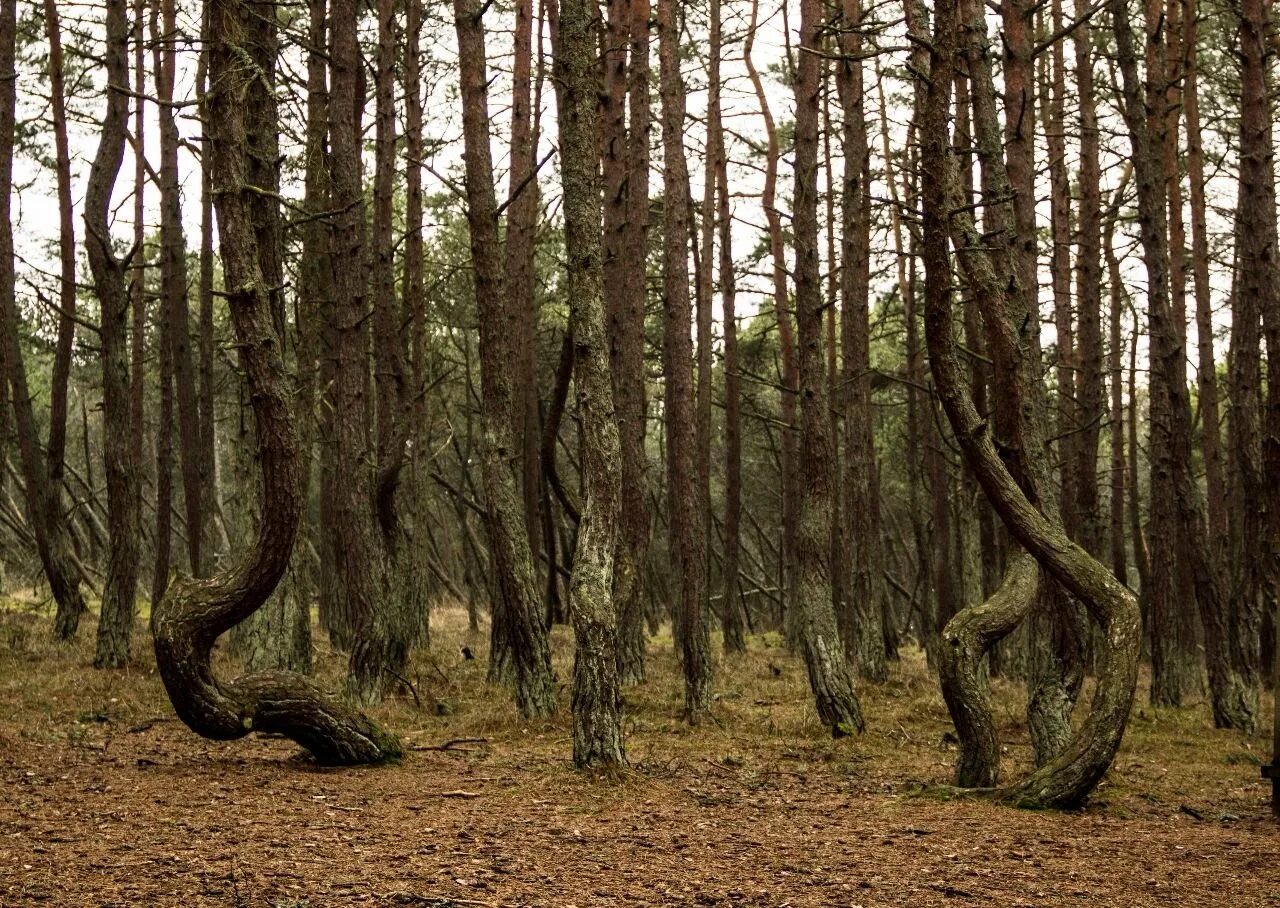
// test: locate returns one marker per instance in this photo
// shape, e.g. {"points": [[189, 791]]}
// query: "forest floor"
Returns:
{"points": [[107, 800]]}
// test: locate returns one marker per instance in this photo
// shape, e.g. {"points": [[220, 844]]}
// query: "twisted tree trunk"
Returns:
{"points": [[195, 612], [1067, 779]]}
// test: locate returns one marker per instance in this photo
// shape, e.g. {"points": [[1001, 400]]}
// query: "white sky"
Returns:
{"points": [[35, 207]]}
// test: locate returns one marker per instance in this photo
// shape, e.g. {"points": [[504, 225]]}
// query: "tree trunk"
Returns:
{"points": [[1068, 778], [519, 590], [123, 480], [44, 500], [861, 503], [357, 552], [190, 619], [626, 177], [812, 614], [175, 314], [782, 312], [1210, 418], [278, 635], [731, 607], [685, 515], [597, 696]]}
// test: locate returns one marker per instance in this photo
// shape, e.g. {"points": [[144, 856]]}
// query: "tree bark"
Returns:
{"points": [[597, 696], [685, 515], [626, 178], [195, 613], [861, 503], [123, 481], [44, 500], [1068, 778], [519, 590], [788, 393], [812, 614]]}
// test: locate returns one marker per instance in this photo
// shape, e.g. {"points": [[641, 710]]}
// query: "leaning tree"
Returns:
{"points": [[1066, 779], [196, 612]]}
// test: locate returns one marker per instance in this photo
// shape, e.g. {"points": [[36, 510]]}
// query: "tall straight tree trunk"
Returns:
{"points": [[812, 614], [138, 273], [1255, 300], [522, 223], [685, 515], [208, 458], [1090, 393], [509, 549], [1073, 497], [862, 506], [731, 608], [1257, 121], [356, 552], [174, 309], [782, 312], [705, 287], [1177, 517], [44, 499], [123, 480], [56, 446], [626, 154], [597, 695], [1118, 463], [1207, 367]]}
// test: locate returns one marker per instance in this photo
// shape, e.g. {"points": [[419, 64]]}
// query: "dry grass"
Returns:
{"points": [[762, 768]]}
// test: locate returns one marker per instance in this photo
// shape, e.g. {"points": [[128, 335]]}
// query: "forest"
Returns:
{"points": [[639, 452]]}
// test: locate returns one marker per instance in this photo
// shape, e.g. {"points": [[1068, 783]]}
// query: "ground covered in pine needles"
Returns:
{"points": [[107, 800]]}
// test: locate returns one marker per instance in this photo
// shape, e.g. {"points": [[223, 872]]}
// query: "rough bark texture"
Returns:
{"points": [[966, 640], [123, 479], [685, 515], [1210, 415], [865, 587], [1068, 778], [510, 555], [195, 613], [354, 544], [731, 614], [626, 176], [597, 695], [56, 446], [174, 307], [1090, 401], [1181, 562], [1255, 299], [812, 614]]}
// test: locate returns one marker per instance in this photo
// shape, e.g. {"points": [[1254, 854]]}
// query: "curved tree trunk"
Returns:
{"points": [[966, 639], [1067, 779], [195, 613]]}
